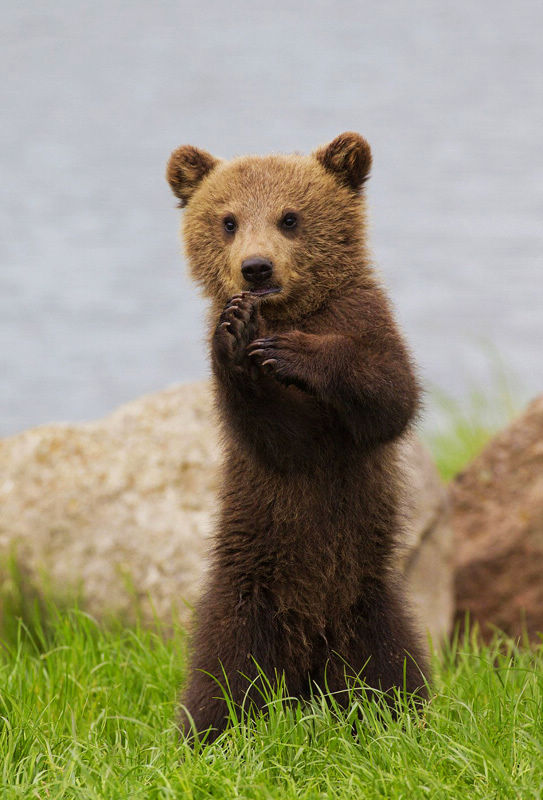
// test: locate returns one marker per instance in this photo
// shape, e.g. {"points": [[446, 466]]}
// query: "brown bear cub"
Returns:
{"points": [[314, 389]]}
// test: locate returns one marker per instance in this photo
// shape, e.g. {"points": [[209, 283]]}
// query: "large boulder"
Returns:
{"points": [[497, 517], [425, 557], [120, 510]]}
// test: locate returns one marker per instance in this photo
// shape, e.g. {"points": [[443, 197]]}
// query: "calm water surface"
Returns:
{"points": [[95, 307]]}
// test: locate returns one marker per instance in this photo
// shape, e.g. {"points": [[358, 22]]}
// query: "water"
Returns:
{"points": [[94, 305]]}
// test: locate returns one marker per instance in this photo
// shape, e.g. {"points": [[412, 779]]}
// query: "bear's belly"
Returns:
{"points": [[304, 534]]}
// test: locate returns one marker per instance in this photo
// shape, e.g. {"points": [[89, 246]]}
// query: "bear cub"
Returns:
{"points": [[314, 388]]}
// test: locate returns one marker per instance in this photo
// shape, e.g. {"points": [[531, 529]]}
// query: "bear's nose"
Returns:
{"points": [[256, 269]]}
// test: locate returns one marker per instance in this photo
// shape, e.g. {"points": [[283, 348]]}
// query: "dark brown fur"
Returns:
{"points": [[314, 388]]}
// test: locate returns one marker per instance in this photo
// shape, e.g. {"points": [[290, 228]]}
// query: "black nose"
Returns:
{"points": [[256, 269]]}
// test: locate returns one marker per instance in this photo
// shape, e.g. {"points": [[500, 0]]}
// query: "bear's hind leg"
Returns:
{"points": [[381, 649]]}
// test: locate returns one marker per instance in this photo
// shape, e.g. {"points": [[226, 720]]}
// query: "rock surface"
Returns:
{"points": [[121, 502], [426, 558], [122, 508], [497, 517]]}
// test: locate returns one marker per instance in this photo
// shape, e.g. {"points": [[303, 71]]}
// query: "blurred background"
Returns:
{"points": [[95, 305]]}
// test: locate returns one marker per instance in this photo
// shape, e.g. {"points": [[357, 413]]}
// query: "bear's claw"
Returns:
{"points": [[237, 326], [277, 356]]}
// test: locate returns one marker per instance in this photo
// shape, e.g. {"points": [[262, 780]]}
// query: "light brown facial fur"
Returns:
{"points": [[323, 192]]}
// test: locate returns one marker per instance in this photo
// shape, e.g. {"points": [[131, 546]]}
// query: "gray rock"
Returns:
{"points": [[426, 555], [120, 510]]}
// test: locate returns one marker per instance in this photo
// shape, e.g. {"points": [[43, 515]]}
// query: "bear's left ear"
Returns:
{"points": [[348, 157], [186, 168]]}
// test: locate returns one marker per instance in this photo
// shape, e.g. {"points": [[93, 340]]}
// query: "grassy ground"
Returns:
{"points": [[87, 712], [467, 427]]}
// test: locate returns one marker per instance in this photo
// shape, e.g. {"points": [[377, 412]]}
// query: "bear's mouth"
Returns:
{"points": [[263, 290]]}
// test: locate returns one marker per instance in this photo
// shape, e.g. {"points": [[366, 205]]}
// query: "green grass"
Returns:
{"points": [[88, 712], [468, 426]]}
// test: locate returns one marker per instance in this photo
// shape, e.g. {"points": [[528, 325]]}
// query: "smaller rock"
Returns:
{"points": [[497, 517]]}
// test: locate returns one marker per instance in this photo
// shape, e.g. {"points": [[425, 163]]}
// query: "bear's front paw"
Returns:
{"points": [[237, 326], [280, 357]]}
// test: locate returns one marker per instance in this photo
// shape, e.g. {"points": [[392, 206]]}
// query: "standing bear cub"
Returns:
{"points": [[314, 389]]}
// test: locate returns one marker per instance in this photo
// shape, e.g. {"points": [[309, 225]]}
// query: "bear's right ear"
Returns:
{"points": [[348, 157], [186, 168]]}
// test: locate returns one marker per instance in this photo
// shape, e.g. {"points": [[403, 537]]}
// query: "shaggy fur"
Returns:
{"points": [[314, 388]]}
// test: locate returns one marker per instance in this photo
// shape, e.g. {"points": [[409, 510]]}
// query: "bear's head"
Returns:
{"points": [[289, 228]]}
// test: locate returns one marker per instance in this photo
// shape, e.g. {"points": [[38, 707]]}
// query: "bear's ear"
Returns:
{"points": [[348, 157], [186, 168]]}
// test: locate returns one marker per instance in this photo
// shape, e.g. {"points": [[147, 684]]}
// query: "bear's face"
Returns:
{"points": [[287, 228]]}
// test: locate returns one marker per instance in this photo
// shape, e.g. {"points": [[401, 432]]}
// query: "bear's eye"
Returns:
{"points": [[230, 224], [289, 221]]}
